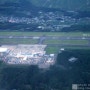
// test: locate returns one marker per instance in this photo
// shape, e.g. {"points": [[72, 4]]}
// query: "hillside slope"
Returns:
{"points": [[78, 5], [64, 4], [42, 15]]}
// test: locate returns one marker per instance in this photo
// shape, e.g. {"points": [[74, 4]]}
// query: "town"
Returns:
{"points": [[43, 21], [26, 54]]}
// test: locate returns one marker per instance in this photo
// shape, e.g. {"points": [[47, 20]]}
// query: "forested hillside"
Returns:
{"points": [[64, 4], [61, 76], [61, 4]]}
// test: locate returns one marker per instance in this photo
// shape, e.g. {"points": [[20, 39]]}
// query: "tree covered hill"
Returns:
{"points": [[64, 4], [78, 5]]}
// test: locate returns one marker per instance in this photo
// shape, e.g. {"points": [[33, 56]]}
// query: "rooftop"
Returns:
{"points": [[3, 49]]}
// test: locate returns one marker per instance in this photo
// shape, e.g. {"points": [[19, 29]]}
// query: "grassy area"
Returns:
{"points": [[77, 48], [55, 50], [51, 49], [17, 41], [20, 34], [43, 33], [72, 42]]}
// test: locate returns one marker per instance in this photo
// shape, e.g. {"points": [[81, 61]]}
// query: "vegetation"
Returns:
{"points": [[61, 4], [66, 42], [61, 76], [76, 28], [18, 41], [56, 49], [7, 33], [52, 49]]}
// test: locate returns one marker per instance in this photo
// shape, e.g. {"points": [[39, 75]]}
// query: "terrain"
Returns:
{"points": [[25, 15], [60, 76], [54, 40], [60, 4], [62, 25]]}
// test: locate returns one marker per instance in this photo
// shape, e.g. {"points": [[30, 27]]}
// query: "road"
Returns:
{"points": [[49, 37], [41, 39]]}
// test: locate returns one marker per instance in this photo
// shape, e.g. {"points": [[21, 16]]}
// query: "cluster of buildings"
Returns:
{"points": [[51, 21], [45, 21], [26, 54]]}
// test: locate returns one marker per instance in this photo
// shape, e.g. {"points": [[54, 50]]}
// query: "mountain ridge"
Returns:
{"points": [[71, 5]]}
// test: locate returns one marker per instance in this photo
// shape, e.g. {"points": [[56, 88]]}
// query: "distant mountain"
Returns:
{"points": [[81, 5], [24, 4], [77, 5]]}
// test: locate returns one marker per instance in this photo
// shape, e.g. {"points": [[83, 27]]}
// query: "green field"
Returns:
{"points": [[71, 42], [17, 41], [51, 50], [43, 33], [56, 49]]}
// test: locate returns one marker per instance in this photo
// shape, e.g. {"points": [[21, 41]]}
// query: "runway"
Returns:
{"points": [[42, 38], [49, 37]]}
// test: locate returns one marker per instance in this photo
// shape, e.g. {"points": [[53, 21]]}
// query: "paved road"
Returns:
{"points": [[49, 37], [41, 39], [16, 37]]}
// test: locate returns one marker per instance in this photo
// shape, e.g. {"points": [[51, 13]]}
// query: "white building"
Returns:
{"points": [[3, 50]]}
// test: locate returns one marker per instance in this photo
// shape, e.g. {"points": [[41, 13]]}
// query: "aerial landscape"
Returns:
{"points": [[44, 44]]}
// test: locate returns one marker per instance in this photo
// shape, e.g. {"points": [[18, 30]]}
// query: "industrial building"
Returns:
{"points": [[26, 54]]}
